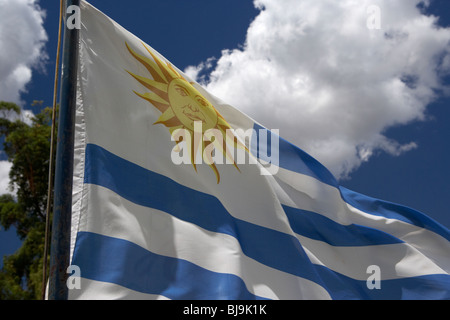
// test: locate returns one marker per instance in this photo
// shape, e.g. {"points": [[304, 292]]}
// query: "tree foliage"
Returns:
{"points": [[27, 145]]}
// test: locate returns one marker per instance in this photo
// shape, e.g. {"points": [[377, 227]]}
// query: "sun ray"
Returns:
{"points": [[151, 66], [169, 74], [157, 87], [216, 172], [152, 96], [174, 71], [172, 122], [161, 106], [173, 129], [169, 114]]}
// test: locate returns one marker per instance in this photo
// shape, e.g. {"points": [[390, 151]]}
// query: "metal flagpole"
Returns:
{"points": [[51, 168], [62, 207]]}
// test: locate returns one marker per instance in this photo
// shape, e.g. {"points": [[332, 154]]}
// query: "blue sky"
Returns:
{"points": [[342, 108]]}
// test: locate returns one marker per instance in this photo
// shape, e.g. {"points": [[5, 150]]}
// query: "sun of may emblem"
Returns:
{"points": [[184, 109]]}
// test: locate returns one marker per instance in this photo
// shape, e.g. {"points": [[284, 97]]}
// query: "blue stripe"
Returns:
{"points": [[315, 226], [272, 248], [294, 159], [290, 156], [429, 287], [107, 259], [393, 211]]}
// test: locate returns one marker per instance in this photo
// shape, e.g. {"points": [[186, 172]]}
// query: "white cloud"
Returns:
{"points": [[314, 70], [5, 167], [22, 41]]}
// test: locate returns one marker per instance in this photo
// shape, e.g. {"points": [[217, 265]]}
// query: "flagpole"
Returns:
{"points": [[51, 168], [62, 207]]}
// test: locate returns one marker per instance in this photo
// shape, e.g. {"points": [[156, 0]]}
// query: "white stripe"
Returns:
{"points": [[110, 215], [395, 260], [97, 290]]}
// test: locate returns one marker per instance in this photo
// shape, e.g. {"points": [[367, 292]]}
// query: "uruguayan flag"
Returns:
{"points": [[178, 195]]}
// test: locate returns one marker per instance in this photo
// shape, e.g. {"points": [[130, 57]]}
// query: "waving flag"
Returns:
{"points": [[178, 195]]}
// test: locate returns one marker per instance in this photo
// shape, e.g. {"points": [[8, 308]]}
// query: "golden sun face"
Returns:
{"points": [[189, 106], [182, 105]]}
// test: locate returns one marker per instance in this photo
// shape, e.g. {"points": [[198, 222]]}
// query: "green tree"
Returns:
{"points": [[27, 145]]}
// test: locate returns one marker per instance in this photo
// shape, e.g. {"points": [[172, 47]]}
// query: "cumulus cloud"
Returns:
{"points": [[22, 41], [5, 167], [332, 81]]}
